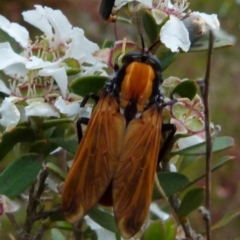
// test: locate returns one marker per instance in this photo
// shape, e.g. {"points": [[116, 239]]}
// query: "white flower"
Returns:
{"points": [[3, 88], [7, 205], [39, 74], [39, 108], [72, 108], [10, 114], [53, 23], [174, 35], [175, 32], [19, 33]]}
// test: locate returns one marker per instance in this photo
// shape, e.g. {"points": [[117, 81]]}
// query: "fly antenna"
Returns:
{"points": [[142, 42], [150, 49]]}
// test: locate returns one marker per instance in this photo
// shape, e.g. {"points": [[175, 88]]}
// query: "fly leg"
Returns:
{"points": [[168, 143], [89, 96], [84, 120]]}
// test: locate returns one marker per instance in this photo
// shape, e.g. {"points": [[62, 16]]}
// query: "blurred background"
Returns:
{"points": [[224, 89]]}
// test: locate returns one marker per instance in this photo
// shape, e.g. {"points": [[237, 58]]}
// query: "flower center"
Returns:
{"points": [[32, 87], [176, 9]]}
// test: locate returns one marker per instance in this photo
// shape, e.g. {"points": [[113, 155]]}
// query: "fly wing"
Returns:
{"points": [[95, 161], [134, 177]]}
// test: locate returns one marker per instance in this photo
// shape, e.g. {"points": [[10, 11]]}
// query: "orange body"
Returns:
{"points": [[117, 158]]}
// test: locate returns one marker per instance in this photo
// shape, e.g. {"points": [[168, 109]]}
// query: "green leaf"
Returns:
{"points": [[108, 44], [155, 231], [62, 225], [186, 89], [219, 144], [104, 219], [56, 170], [70, 145], [171, 183], [203, 45], [89, 84], [56, 217], [167, 58], [20, 174], [216, 166], [171, 229], [72, 66], [18, 134], [192, 200], [230, 216], [150, 27], [90, 234], [187, 160], [55, 122], [43, 147], [56, 235]]}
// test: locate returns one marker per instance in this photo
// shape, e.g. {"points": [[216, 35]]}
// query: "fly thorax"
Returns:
{"points": [[137, 85]]}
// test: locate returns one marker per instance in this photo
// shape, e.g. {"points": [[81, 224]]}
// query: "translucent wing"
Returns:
{"points": [[95, 161], [134, 177]]}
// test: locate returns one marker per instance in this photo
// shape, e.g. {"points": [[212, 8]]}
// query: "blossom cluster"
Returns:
{"points": [[39, 73]]}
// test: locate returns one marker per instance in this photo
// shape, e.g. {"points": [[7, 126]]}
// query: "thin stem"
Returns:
{"points": [[34, 199], [40, 233], [159, 188], [13, 221], [175, 204], [208, 140], [189, 232]]}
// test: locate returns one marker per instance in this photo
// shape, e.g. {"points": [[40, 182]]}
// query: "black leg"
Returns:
{"points": [[167, 145], [79, 127], [83, 120], [86, 98], [171, 102]]}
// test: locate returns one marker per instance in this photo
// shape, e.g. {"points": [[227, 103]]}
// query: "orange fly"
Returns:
{"points": [[118, 155]]}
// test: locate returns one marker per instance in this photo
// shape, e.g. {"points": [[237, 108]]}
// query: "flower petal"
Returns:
{"points": [[210, 19], [72, 108], [36, 18], [49, 21], [158, 15], [35, 63], [3, 88], [10, 114], [41, 109], [68, 108], [175, 35], [8, 57], [81, 46], [19, 33], [7, 205], [17, 70], [60, 76], [189, 141]]}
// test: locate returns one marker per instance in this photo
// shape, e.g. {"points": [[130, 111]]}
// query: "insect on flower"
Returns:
{"points": [[119, 153], [105, 10]]}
